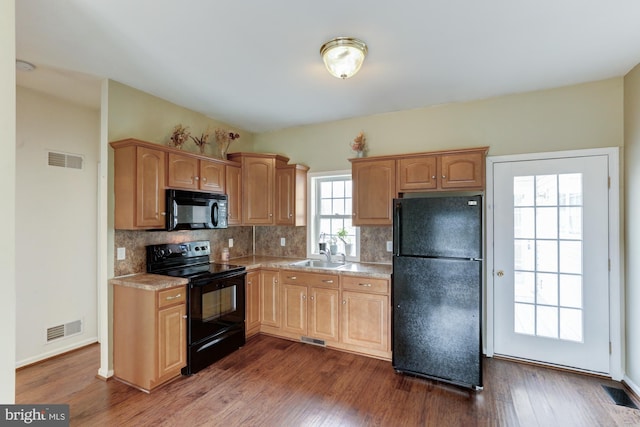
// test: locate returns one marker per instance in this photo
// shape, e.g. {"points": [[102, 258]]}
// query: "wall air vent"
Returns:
{"points": [[64, 160], [65, 330]]}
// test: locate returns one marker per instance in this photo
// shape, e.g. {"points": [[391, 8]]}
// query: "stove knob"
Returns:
{"points": [[197, 248]]}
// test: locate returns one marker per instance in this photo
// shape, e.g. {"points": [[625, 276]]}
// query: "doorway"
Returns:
{"points": [[552, 224]]}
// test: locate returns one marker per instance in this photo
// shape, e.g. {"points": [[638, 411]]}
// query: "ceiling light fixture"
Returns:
{"points": [[24, 65], [343, 56]]}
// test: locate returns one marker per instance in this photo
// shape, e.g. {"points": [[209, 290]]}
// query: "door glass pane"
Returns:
{"points": [[548, 233], [524, 319], [524, 225]]}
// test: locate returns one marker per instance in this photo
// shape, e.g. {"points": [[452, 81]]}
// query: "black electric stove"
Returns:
{"points": [[215, 299]]}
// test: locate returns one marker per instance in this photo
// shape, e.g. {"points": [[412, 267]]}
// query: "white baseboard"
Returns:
{"points": [[56, 352], [633, 386]]}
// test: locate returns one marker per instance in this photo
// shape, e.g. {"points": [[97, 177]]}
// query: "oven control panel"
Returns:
{"points": [[184, 251]]}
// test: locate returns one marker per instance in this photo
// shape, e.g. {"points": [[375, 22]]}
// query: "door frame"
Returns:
{"points": [[616, 294]]}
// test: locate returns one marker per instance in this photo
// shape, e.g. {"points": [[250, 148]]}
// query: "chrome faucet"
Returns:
{"points": [[344, 257], [327, 254]]}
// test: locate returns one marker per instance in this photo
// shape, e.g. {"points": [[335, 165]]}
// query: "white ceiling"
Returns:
{"points": [[255, 64]]}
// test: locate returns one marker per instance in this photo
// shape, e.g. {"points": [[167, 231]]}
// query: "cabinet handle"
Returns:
{"points": [[366, 285], [327, 281], [173, 297], [433, 177], [197, 178], [290, 215], [304, 297], [204, 179], [184, 316], [344, 302], [443, 177], [353, 214], [163, 213], [312, 298], [270, 215], [292, 277]]}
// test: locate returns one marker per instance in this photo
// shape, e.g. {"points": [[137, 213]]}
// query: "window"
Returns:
{"points": [[330, 215]]}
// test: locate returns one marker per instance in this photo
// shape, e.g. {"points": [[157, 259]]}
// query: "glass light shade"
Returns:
{"points": [[343, 56]]}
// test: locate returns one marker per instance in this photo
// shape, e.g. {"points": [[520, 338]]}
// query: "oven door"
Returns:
{"points": [[216, 307]]}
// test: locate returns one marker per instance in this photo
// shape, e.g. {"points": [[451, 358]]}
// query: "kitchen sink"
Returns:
{"points": [[317, 263]]}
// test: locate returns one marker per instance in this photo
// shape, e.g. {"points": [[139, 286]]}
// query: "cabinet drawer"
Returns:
{"points": [[310, 279], [171, 296], [365, 284]]}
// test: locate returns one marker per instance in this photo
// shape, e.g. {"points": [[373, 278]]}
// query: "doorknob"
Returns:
{"points": [[500, 273]]}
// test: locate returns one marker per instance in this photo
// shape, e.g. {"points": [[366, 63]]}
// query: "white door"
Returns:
{"points": [[551, 260]]}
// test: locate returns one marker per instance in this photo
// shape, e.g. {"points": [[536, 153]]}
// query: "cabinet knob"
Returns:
{"points": [[196, 178], [443, 176], [304, 297], [163, 213], [344, 302], [204, 179], [433, 177], [184, 316], [312, 298], [290, 215]]}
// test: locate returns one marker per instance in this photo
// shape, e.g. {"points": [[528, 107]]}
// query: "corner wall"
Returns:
{"points": [[632, 225], [8, 189]]}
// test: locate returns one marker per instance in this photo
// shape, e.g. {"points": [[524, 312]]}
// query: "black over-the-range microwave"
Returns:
{"points": [[193, 210]]}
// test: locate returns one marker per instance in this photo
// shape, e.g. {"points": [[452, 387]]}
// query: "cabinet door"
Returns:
{"points": [[323, 313], [212, 176], [150, 182], [294, 309], [172, 340], [234, 193], [462, 170], [258, 190], [253, 303], [365, 320], [269, 298], [285, 196], [183, 172], [417, 173], [373, 192]]}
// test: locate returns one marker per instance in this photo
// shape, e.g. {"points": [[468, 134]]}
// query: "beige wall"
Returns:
{"points": [[632, 224], [136, 114], [8, 190], [56, 212], [581, 116]]}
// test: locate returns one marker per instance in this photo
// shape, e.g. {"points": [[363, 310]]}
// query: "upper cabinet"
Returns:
{"points": [[234, 193], [190, 173], [291, 195], [273, 192], [377, 180], [139, 186], [373, 191]]}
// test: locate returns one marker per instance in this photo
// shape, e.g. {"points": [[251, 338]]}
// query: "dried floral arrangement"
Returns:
{"points": [[224, 138], [180, 135], [358, 143], [202, 140]]}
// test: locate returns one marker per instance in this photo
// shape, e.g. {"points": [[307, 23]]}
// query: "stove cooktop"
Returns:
{"points": [[204, 270]]}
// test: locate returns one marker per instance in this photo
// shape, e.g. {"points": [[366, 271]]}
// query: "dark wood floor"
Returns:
{"points": [[273, 382]]}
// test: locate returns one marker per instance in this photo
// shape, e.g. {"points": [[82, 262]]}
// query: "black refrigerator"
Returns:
{"points": [[437, 288]]}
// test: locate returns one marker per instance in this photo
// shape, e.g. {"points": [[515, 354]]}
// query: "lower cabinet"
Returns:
{"points": [[269, 301], [252, 320], [365, 316], [149, 335], [310, 304]]}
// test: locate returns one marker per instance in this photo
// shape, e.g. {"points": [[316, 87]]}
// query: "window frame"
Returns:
{"points": [[313, 218]]}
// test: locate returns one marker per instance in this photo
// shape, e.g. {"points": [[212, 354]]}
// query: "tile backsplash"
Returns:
{"points": [[267, 241]]}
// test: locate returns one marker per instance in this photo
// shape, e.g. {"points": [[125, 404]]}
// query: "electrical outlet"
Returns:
{"points": [[389, 246], [283, 241], [121, 254], [230, 243]]}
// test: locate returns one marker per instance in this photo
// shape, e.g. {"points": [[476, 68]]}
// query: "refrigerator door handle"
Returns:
{"points": [[396, 229]]}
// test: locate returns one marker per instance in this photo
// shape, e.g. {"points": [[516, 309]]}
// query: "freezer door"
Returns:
{"points": [[437, 319], [438, 227]]}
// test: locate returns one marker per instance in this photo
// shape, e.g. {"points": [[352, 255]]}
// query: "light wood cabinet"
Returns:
{"points": [[310, 305], [149, 335], [269, 300], [139, 186], [366, 312], [234, 194], [373, 191], [191, 173], [258, 191], [252, 323], [456, 170], [291, 195]]}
